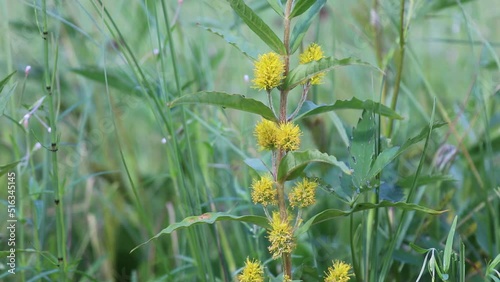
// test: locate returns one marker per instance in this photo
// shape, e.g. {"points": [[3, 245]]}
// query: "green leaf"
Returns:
{"points": [[258, 165], [242, 45], [209, 218], [389, 155], [424, 180], [443, 4], [418, 249], [490, 269], [333, 213], [309, 108], [115, 78], [362, 149], [5, 80], [4, 97], [305, 71], [258, 26], [448, 247], [6, 168], [295, 162], [275, 4], [300, 29], [232, 101], [300, 7]]}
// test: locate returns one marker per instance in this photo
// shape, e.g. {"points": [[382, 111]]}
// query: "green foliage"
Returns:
{"points": [[300, 29], [209, 218], [300, 7], [4, 97], [310, 109], [333, 213], [134, 157], [303, 72], [8, 167], [232, 101], [294, 163], [258, 26], [238, 43]]}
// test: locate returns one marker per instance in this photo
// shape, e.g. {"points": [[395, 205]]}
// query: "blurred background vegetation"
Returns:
{"points": [[130, 166]]}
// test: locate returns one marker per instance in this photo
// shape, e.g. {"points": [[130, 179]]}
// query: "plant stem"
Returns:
{"points": [[59, 192], [305, 91], [287, 260], [397, 83]]}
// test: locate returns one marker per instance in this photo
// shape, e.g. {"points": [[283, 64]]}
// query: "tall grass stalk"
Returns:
{"points": [[197, 240], [387, 260], [397, 83], [62, 261]]}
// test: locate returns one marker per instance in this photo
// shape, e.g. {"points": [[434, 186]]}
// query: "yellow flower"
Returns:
{"points": [[288, 137], [268, 71], [339, 272], [313, 53], [280, 236], [286, 278], [265, 131], [263, 191], [252, 272], [303, 193]]}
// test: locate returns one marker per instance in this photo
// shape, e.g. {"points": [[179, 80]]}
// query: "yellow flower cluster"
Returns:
{"points": [[265, 131], [339, 272], [253, 272], [313, 53], [280, 236], [288, 137], [270, 136], [263, 191], [303, 194], [268, 71]]}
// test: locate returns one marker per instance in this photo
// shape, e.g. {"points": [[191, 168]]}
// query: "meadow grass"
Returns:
{"points": [[123, 165]]}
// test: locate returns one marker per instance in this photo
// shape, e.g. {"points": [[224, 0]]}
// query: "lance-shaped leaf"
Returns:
{"points": [[333, 213], [258, 26], [295, 162], [390, 154], [300, 7], [209, 218], [448, 249], [300, 29], [275, 4], [362, 150], [239, 43], [309, 108], [5, 80], [232, 101], [305, 71], [6, 168], [113, 77]]}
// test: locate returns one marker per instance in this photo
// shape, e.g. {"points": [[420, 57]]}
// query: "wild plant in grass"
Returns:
{"points": [[284, 189]]}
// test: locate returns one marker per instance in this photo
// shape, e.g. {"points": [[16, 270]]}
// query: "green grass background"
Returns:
{"points": [[123, 184]]}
